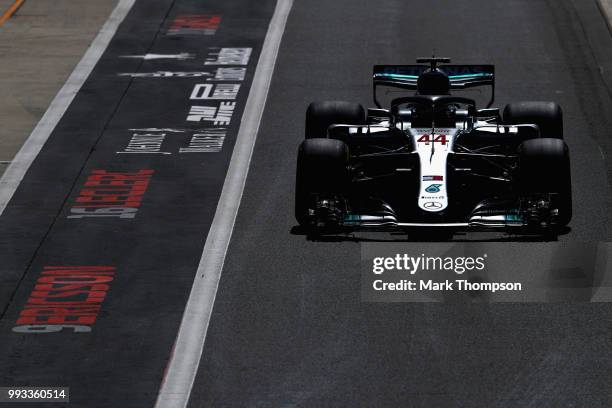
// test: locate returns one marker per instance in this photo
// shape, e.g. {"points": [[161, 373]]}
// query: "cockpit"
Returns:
{"points": [[434, 111]]}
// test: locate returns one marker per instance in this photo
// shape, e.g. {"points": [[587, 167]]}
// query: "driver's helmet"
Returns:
{"points": [[433, 82]]}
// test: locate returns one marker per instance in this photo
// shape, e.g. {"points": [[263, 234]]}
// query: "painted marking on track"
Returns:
{"points": [[65, 298], [10, 11], [16, 171], [111, 194], [185, 358], [195, 24]]}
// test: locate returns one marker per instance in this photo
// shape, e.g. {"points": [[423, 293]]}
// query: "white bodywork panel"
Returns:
{"points": [[433, 147]]}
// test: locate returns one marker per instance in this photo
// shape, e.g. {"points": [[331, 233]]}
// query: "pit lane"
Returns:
{"points": [[102, 237], [298, 334]]}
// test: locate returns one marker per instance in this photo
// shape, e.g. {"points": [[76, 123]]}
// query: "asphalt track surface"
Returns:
{"points": [[289, 327]]}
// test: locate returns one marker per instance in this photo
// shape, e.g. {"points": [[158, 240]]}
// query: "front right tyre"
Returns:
{"points": [[544, 168]]}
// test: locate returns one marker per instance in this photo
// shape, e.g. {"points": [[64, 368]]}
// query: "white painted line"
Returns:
{"points": [[606, 8], [16, 171], [187, 351], [181, 56]]}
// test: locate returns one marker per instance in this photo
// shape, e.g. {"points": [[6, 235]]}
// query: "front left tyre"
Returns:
{"points": [[321, 172]]}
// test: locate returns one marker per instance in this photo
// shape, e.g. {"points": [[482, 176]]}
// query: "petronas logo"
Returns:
{"points": [[433, 188]]}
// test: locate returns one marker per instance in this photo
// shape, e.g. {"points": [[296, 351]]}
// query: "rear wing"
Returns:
{"points": [[460, 76]]}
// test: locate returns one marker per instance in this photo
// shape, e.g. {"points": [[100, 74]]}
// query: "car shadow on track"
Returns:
{"points": [[425, 236]]}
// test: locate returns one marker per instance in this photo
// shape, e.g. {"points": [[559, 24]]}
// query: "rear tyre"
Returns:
{"points": [[547, 115], [544, 168], [321, 115], [321, 170]]}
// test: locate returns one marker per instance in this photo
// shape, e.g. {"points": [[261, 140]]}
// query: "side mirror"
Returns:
{"points": [[488, 113], [379, 113], [342, 132]]}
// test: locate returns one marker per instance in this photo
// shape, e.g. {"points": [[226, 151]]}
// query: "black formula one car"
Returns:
{"points": [[432, 159]]}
